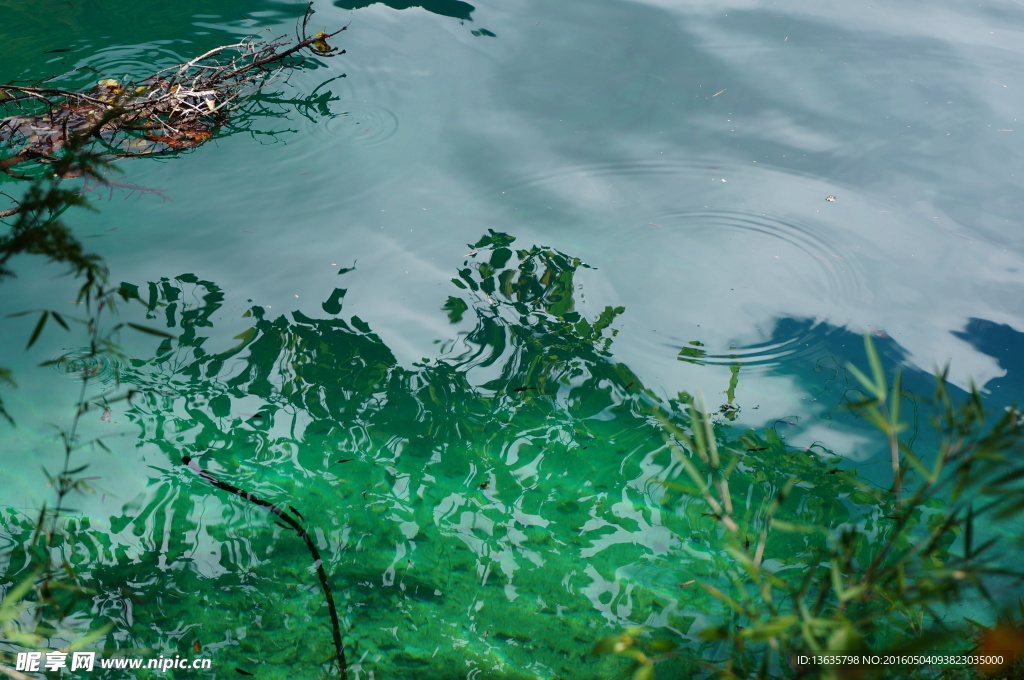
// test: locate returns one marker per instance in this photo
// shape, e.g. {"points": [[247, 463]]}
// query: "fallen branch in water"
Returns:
{"points": [[175, 108], [310, 545]]}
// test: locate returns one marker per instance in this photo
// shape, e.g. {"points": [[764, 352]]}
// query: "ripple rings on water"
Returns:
{"points": [[84, 364]]}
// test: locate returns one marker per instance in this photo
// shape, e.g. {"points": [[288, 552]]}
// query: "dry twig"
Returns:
{"points": [[175, 108]]}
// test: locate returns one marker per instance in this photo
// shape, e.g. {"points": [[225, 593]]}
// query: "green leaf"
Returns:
{"points": [[792, 527], [718, 594], [8, 608], [22, 639], [608, 645], [150, 331], [663, 645], [875, 363], [89, 638], [969, 532], [59, 319], [876, 392], [772, 628], [644, 672], [496, 239], [908, 454], [38, 329], [852, 593], [714, 633]]}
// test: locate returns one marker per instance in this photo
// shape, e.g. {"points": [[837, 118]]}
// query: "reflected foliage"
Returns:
{"points": [[504, 503], [447, 8], [522, 462]]}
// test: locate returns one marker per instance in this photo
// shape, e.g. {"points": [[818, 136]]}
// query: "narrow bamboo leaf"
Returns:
{"points": [[1004, 479], [87, 640], [714, 633], [917, 463], [8, 610], [860, 403], [634, 653], [694, 473], [792, 527], [837, 578], [980, 550], [780, 497], [59, 319], [976, 624], [867, 383], [969, 532], [744, 561], [875, 363], [150, 331], [24, 639], [645, 672], [852, 593], [771, 628], [718, 594], [38, 329]]}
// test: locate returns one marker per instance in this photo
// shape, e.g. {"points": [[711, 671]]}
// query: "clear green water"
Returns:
{"points": [[494, 508], [663, 168]]}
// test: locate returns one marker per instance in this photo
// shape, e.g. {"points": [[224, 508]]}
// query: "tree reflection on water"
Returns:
{"points": [[499, 506]]}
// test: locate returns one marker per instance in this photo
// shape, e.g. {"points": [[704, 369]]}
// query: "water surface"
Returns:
{"points": [[666, 163]]}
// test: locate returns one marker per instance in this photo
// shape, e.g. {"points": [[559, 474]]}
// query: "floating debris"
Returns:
{"points": [[173, 109]]}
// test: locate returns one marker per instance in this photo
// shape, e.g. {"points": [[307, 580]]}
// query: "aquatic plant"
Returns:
{"points": [[885, 582]]}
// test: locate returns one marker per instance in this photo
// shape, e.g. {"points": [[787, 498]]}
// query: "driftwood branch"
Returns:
{"points": [[173, 109], [310, 545]]}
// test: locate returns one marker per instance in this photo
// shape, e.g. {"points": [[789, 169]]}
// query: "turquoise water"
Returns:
{"points": [[477, 264]]}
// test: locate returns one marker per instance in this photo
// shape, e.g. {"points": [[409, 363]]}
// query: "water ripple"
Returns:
{"points": [[359, 122], [744, 264], [749, 260], [738, 239], [791, 339], [84, 364], [138, 61]]}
